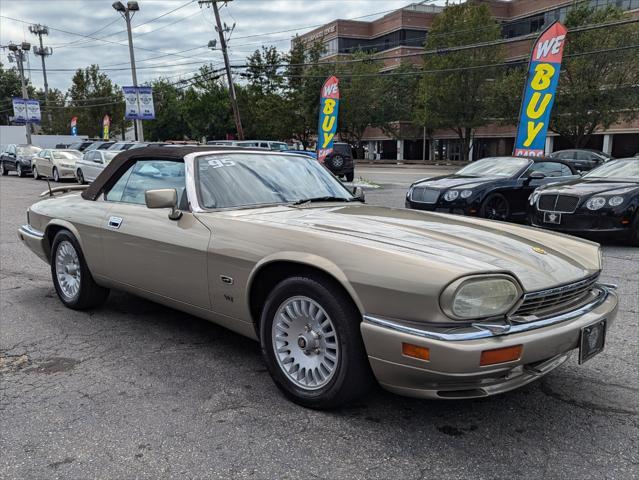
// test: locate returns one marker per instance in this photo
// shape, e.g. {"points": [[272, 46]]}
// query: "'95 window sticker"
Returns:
{"points": [[221, 162]]}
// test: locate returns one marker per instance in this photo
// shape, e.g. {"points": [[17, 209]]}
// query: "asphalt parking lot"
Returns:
{"points": [[137, 390]]}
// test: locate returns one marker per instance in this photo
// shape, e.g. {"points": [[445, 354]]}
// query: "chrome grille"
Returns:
{"points": [[558, 203], [424, 195], [556, 299]]}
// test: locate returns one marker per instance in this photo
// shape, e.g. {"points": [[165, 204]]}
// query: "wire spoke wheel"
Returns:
{"points": [[67, 268], [305, 343]]}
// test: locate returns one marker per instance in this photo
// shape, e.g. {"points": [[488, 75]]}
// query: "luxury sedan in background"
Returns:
{"points": [[604, 201], [496, 188], [338, 293]]}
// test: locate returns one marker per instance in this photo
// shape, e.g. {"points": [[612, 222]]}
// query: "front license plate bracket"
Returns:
{"points": [[552, 217], [592, 340]]}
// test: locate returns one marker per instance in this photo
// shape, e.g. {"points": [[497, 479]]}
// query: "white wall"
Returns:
{"points": [[18, 134]]}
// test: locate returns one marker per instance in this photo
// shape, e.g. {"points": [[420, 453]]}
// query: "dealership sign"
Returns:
{"points": [[539, 96], [26, 111], [139, 103], [329, 108]]}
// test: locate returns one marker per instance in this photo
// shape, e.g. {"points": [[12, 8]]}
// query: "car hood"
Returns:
{"points": [[583, 187], [456, 181], [468, 244]]}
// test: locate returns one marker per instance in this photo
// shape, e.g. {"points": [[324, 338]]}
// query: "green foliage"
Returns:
{"points": [[169, 123], [55, 116], [460, 100], [90, 90], [597, 90]]}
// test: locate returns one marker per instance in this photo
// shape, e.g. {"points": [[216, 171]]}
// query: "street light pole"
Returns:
{"points": [[126, 14]]}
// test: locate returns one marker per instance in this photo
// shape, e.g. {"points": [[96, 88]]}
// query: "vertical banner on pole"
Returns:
{"points": [[106, 123], [145, 101], [74, 126], [539, 96], [33, 111], [329, 108], [20, 110], [132, 109]]}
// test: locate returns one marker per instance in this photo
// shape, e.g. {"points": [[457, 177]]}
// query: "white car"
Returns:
{"points": [[55, 163], [92, 163]]}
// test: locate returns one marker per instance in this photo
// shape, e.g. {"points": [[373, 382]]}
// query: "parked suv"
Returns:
{"points": [[340, 161], [16, 157], [581, 160]]}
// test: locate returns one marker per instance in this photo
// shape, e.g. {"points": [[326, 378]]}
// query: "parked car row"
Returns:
{"points": [[544, 192]]}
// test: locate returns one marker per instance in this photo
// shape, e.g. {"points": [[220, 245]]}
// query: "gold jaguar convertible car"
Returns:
{"points": [[337, 292]]}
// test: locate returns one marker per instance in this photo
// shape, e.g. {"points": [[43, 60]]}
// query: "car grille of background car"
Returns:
{"points": [[424, 195], [558, 203]]}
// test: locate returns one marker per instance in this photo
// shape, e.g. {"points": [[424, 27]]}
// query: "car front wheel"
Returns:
{"points": [[19, 170], [80, 176], [71, 276], [56, 175], [3, 169], [634, 231], [495, 207], [312, 345], [34, 171]]}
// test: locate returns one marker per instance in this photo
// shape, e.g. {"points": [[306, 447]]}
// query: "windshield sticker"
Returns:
{"points": [[221, 162]]}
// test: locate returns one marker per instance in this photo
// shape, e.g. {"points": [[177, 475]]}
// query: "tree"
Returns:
{"points": [[169, 123], [55, 115], [91, 96], [455, 95], [596, 90]]}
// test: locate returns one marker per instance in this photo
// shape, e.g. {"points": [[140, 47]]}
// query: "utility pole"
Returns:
{"points": [[19, 53], [126, 14], [43, 52], [229, 77]]}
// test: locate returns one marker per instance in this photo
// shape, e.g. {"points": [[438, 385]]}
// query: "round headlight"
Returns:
{"points": [[595, 203], [466, 193], [451, 195], [477, 297], [615, 201]]}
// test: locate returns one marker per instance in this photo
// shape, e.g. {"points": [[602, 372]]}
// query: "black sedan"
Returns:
{"points": [[604, 201], [497, 188], [582, 160]]}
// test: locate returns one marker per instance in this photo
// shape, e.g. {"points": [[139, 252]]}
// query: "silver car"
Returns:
{"points": [[92, 163]]}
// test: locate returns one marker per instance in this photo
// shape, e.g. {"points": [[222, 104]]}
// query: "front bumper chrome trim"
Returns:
{"points": [[477, 331], [29, 230]]}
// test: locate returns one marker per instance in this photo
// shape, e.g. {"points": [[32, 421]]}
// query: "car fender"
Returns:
{"points": [[56, 222], [309, 260]]}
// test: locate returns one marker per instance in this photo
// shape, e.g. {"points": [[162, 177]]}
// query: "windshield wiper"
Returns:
{"points": [[321, 199]]}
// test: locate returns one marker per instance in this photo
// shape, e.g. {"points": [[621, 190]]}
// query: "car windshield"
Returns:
{"points": [[241, 180], [27, 150], [280, 146], [494, 167], [67, 155], [616, 169]]}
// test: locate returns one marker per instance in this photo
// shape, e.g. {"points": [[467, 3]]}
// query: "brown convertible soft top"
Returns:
{"points": [[122, 161]]}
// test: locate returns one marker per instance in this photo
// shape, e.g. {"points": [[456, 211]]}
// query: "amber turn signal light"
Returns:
{"points": [[501, 355], [410, 350]]}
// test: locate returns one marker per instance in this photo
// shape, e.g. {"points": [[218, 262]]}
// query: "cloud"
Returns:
{"points": [[187, 28]]}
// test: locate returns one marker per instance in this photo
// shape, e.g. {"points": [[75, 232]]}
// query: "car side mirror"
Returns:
{"points": [[358, 193], [163, 198], [537, 176]]}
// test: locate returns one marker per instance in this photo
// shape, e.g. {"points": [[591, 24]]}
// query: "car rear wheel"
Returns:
{"points": [[312, 345], [71, 276], [80, 176], [34, 171], [56, 175], [19, 170], [495, 207], [3, 169]]}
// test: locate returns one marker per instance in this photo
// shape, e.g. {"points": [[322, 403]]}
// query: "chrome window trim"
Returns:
{"points": [[492, 329]]}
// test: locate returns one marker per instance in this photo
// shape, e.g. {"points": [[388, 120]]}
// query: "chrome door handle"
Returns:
{"points": [[115, 222]]}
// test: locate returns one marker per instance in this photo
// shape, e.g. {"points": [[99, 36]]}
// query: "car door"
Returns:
{"points": [[10, 158], [44, 164], [95, 164], [145, 249]]}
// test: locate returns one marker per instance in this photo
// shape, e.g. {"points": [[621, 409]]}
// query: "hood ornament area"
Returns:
{"points": [[539, 250]]}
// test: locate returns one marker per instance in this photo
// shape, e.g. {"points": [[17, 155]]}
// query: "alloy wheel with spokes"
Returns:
{"points": [[34, 171], [495, 207], [19, 170], [56, 175], [305, 342], [67, 267]]}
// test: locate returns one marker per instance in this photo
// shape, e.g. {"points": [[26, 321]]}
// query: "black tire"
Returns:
{"points": [[495, 207], [56, 176], [19, 170], [352, 376], [34, 172], [350, 176], [80, 176], [3, 169], [90, 294]]}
